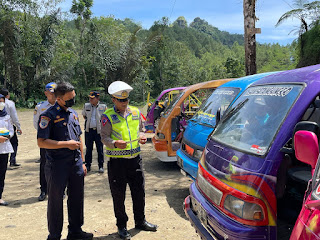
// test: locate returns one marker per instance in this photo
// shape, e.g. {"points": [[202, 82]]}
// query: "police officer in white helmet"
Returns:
{"points": [[121, 133]]}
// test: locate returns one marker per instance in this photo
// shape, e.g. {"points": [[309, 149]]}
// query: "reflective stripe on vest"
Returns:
{"points": [[126, 129]]}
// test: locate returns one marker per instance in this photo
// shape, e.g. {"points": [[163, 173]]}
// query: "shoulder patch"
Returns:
{"points": [[134, 113], [44, 122], [104, 119], [35, 111]]}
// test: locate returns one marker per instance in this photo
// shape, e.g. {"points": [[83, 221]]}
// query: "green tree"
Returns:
{"points": [[82, 10]]}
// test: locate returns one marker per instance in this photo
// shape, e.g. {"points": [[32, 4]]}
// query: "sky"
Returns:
{"points": [[226, 15]]}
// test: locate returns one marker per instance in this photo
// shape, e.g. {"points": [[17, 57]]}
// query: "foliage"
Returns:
{"points": [[38, 45], [310, 53]]}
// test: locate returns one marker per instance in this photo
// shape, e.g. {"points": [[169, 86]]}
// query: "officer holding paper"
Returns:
{"points": [[121, 132]]}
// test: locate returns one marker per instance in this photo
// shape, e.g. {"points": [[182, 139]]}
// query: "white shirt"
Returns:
{"points": [[93, 122], [87, 113], [5, 122], [12, 111], [39, 109]]}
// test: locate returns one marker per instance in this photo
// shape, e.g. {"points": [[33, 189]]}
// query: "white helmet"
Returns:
{"points": [[119, 89]]}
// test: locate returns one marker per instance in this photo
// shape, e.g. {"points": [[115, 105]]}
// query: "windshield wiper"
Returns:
{"points": [[234, 110]]}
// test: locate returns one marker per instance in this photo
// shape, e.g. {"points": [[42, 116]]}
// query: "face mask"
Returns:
{"points": [[2, 105], [70, 102]]}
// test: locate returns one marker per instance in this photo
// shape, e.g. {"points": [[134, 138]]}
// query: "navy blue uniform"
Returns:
{"points": [[63, 169]]}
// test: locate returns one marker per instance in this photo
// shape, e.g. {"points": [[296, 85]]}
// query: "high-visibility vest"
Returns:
{"points": [[124, 128]]}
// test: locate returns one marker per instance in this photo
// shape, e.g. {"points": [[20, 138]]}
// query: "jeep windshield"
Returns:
{"points": [[172, 104], [220, 98], [252, 121]]}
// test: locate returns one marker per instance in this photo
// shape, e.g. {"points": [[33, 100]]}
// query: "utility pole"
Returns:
{"points": [[249, 13]]}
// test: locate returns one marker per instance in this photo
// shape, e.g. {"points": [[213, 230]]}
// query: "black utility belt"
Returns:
{"points": [[93, 129], [124, 158]]}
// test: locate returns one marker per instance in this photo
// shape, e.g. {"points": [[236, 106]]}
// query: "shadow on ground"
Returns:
{"points": [[115, 235]]}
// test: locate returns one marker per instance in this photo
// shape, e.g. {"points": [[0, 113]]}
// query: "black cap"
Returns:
{"points": [[94, 94]]}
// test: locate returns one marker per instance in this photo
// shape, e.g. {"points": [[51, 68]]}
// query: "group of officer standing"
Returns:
{"points": [[62, 167]]}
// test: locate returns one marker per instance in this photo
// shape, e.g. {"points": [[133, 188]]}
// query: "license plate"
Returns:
{"points": [[199, 210], [202, 215], [183, 172], [179, 162]]}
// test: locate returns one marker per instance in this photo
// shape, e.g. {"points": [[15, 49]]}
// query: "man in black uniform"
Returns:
{"points": [[59, 133]]}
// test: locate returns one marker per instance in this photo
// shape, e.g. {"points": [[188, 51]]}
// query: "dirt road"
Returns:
{"points": [[25, 217]]}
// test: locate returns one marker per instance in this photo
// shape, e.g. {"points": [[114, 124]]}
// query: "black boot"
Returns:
{"points": [[146, 226], [80, 236], [124, 234]]}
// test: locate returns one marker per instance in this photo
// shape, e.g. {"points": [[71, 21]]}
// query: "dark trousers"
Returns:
{"points": [[120, 172], [14, 143], [60, 174], [43, 181], [3, 169], [90, 137]]}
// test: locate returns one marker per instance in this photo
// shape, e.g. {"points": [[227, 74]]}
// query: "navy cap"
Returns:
{"points": [[94, 94], [2, 96], [51, 86]]}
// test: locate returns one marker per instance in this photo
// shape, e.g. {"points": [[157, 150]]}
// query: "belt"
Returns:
{"points": [[93, 128]]}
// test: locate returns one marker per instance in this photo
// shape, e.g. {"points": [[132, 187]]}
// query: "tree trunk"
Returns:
{"points": [[249, 36]]}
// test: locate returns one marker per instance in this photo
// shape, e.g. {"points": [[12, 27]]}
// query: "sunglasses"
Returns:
{"points": [[123, 100]]}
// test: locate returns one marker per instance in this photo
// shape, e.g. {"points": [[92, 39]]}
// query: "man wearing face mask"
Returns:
{"points": [[59, 133]]}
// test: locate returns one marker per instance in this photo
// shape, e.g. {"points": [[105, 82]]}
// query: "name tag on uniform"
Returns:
{"points": [[115, 118]]}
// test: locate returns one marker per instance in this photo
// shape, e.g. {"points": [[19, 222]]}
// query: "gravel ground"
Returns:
{"points": [[25, 217]]}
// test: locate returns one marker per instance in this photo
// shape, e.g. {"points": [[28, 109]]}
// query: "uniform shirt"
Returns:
{"points": [[60, 125], [106, 128], [88, 111], [5, 122], [93, 120], [39, 109], [12, 111]]}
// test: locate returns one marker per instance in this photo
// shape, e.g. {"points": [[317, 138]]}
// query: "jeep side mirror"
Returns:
{"points": [[218, 115], [306, 147]]}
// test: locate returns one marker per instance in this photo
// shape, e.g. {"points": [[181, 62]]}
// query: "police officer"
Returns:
{"points": [[12, 111], [39, 109], [121, 132], [59, 133], [92, 112]]}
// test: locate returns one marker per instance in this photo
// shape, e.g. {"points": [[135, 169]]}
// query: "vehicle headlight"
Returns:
{"points": [[197, 154], [161, 136], [243, 209]]}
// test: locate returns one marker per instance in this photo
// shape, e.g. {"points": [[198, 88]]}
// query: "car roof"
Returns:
{"points": [[244, 82], [301, 75]]}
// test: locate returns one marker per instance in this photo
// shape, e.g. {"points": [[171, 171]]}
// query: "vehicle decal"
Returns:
{"points": [[261, 187], [269, 91], [318, 190]]}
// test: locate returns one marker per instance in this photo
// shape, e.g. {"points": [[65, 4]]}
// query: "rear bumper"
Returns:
{"points": [[200, 229], [163, 157], [218, 226], [161, 148], [160, 145], [187, 164]]}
